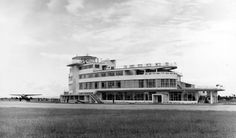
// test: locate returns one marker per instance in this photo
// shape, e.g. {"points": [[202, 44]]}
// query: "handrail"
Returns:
{"points": [[149, 65], [95, 98], [150, 73], [146, 73]]}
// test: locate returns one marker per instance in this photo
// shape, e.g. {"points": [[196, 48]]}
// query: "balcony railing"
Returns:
{"points": [[150, 65], [85, 76], [150, 73]]}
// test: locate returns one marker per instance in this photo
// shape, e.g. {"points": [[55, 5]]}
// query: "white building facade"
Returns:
{"points": [[94, 81]]}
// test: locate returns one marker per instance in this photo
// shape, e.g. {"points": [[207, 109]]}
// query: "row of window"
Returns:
{"points": [[76, 97], [148, 83], [103, 67], [101, 74], [121, 73], [127, 96], [89, 66], [86, 67], [177, 96]]}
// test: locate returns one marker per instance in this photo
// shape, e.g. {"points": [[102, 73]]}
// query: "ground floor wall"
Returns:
{"points": [[159, 97]]}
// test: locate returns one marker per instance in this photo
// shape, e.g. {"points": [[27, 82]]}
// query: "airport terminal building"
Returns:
{"points": [[94, 81]]}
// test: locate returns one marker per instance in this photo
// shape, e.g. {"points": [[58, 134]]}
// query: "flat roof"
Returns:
{"points": [[160, 90], [84, 57], [148, 90], [72, 64], [137, 68], [202, 89]]}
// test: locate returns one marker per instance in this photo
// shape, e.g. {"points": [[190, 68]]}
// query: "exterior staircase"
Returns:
{"points": [[179, 86], [95, 98]]}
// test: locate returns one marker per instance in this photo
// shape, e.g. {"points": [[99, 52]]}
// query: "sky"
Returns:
{"points": [[38, 38]]}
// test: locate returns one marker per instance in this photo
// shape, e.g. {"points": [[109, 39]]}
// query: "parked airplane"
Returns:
{"points": [[25, 96]]}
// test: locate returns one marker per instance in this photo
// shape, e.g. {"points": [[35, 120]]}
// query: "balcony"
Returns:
{"points": [[151, 73], [166, 64]]}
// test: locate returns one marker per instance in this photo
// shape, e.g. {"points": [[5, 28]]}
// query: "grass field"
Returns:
{"points": [[60, 123]]}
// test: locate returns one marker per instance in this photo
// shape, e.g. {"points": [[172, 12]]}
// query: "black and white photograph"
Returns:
{"points": [[117, 68]]}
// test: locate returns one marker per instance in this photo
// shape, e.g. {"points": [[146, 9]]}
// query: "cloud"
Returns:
{"points": [[155, 12], [57, 5], [36, 34], [63, 57], [74, 6]]}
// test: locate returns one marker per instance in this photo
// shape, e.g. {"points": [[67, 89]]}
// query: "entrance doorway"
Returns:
{"points": [[157, 98], [146, 98]]}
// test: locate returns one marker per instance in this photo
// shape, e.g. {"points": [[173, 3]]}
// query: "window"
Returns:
{"points": [[87, 85], [111, 74], [80, 86], [111, 84], [110, 96], [172, 83], [175, 96], [103, 74], [96, 75], [104, 85], [119, 73], [81, 97], [119, 96], [104, 67], [151, 83], [104, 96], [90, 85], [83, 85], [95, 85], [128, 72], [141, 83], [97, 66], [86, 67], [139, 96], [128, 96], [118, 84], [165, 83], [139, 72], [190, 96], [90, 75]]}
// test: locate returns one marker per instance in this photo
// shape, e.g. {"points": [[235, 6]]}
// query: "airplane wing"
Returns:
{"points": [[17, 94], [32, 94], [25, 94]]}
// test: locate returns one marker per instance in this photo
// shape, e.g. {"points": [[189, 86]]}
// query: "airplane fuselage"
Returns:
{"points": [[23, 97]]}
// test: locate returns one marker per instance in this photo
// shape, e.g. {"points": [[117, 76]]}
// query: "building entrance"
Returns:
{"points": [[157, 98]]}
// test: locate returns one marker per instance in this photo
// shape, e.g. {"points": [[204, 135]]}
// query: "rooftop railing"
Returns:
{"points": [[82, 61], [150, 65]]}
